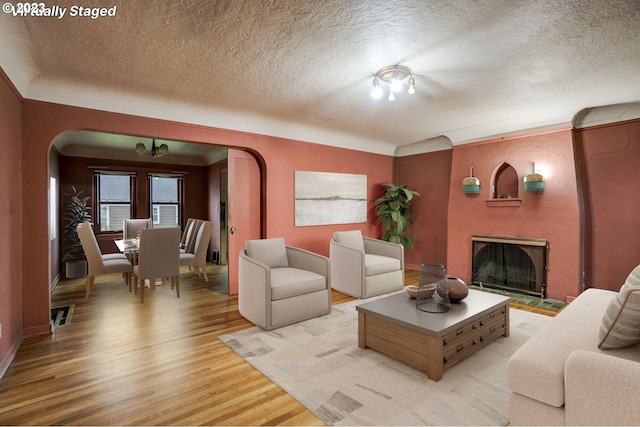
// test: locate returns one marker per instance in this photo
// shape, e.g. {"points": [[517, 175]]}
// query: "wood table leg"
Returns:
{"points": [[434, 358], [362, 328]]}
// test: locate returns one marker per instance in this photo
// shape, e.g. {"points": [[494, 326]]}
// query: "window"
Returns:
{"points": [[166, 200], [114, 200]]}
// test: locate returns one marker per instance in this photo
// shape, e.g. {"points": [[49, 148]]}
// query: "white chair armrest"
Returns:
{"points": [[254, 289], [601, 389], [310, 261], [347, 269], [384, 248]]}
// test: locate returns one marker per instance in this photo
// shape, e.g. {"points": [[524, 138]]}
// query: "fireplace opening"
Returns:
{"points": [[516, 265]]}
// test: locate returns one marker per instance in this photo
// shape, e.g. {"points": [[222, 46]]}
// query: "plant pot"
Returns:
{"points": [[76, 269]]}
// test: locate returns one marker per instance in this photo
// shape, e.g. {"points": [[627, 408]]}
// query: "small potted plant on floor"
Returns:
{"points": [[77, 211], [394, 210]]}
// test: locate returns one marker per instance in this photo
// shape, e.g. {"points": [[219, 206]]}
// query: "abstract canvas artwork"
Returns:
{"points": [[323, 198]]}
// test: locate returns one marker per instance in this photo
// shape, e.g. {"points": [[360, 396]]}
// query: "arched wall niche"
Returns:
{"points": [[504, 182]]}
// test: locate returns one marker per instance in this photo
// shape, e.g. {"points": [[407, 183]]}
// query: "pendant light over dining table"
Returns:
{"points": [[156, 151]]}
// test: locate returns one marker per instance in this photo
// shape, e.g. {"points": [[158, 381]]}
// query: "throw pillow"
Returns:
{"points": [[621, 322]]}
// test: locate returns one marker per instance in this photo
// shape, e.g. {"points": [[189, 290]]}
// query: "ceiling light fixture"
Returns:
{"points": [[395, 75], [155, 152]]}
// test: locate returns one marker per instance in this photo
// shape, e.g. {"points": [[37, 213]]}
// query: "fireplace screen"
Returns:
{"points": [[517, 265]]}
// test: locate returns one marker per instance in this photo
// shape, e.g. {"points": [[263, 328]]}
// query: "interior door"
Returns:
{"points": [[244, 207]]}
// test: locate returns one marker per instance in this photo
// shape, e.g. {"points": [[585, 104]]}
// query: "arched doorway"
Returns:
{"points": [[72, 163]]}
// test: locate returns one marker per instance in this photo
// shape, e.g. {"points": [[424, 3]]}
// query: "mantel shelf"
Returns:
{"points": [[504, 203]]}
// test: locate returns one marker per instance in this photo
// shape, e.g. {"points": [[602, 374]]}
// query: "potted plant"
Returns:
{"points": [[76, 212], [394, 210]]}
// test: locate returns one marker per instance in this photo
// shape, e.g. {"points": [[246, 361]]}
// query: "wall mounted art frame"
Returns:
{"points": [[323, 198]]}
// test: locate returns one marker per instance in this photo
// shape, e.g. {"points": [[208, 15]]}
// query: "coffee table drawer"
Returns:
{"points": [[492, 330], [459, 334], [459, 350], [492, 317]]}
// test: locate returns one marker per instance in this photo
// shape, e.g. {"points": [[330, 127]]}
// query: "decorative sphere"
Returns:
{"points": [[458, 290]]}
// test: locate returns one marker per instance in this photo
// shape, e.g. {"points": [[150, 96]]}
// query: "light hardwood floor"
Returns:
{"points": [[119, 362]]}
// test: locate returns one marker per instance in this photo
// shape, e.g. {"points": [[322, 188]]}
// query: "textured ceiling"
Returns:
{"points": [[302, 69]]}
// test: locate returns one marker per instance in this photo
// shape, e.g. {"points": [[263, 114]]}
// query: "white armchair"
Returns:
{"points": [[279, 285], [363, 267]]}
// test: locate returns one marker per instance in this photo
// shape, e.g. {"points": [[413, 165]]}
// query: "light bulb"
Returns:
{"points": [[376, 90], [412, 85], [396, 85], [392, 96]]}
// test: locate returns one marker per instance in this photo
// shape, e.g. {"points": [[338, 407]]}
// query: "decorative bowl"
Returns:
{"points": [[458, 289], [412, 290]]}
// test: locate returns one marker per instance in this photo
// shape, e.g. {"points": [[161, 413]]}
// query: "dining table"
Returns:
{"points": [[130, 248]]}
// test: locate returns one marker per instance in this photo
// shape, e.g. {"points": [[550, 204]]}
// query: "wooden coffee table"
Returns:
{"points": [[432, 342]]}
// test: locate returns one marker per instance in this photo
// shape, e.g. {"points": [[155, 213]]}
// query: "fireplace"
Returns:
{"points": [[511, 264]]}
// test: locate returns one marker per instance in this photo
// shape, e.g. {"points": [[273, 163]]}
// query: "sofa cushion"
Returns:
{"points": [[620, 325], [271, 252], [378, 264], [352, 239], [290, 282]]}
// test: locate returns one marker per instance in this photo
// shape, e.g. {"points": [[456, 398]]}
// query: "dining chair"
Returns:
{"points": [[130, 227], [97, 264], [185, 234], [188, 241], [158, 257], [197, 256], [116, 255]]}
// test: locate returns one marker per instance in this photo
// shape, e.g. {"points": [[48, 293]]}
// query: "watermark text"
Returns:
{"points": [[41, 9]]}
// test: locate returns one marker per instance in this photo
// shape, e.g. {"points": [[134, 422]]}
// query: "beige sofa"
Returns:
{"points": [[561, 376]]}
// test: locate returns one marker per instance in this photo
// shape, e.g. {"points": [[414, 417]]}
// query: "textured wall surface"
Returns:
{"points": [[611, 155], [552, 214], [11, 255], [429, 174]]}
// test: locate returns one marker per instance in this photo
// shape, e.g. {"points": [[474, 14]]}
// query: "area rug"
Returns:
{"points": [[319, 363]]}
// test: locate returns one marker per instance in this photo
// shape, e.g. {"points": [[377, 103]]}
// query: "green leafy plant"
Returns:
{"points": [[394, 211], [77, 211]]}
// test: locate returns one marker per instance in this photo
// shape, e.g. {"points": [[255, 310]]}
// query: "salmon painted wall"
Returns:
{"points": [[429, 174], [11, 281], [609, 157], [282, 162], [552, 214], [42, 122]]}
